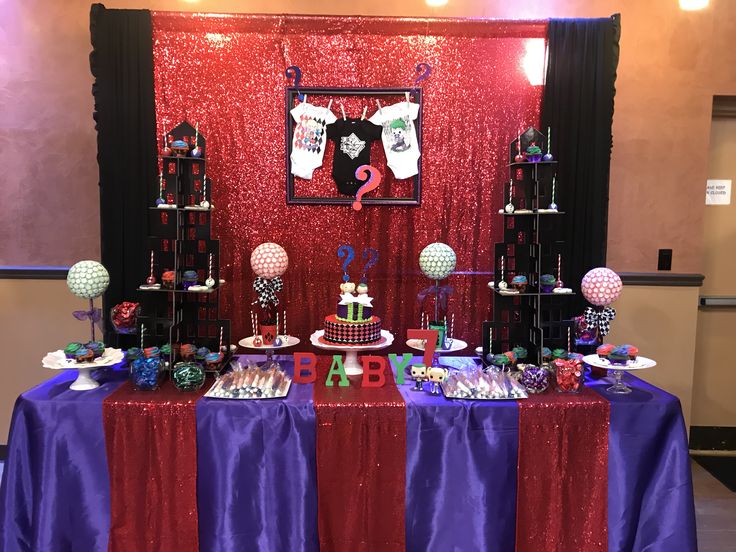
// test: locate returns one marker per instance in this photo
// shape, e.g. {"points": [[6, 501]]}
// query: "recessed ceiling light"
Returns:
{"points": [[692, 5]]}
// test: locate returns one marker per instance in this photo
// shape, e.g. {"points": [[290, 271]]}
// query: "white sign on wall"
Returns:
{"points": [[718, 192]]}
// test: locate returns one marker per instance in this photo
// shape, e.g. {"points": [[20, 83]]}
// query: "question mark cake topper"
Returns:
{"points": [[372, 256], [293, 72], [423, 72], [373, 177], [348, 252]]}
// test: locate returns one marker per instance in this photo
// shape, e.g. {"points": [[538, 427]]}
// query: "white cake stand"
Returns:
{"points": [[57, 360], [286, 342], [619, 387], [352, 365], [455, 346]]}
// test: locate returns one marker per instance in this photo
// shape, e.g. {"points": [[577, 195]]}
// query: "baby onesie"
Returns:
{"points": [[308, 145], [353, 138], [399, 137]]}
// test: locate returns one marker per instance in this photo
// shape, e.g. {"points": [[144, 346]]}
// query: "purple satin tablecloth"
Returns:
{"points": [[257, 487]]}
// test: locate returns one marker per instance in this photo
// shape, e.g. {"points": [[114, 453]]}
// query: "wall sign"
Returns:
{"points": [[718, 192]]}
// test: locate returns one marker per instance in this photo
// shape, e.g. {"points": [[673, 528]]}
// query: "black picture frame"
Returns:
{"points": [[292, 199]]}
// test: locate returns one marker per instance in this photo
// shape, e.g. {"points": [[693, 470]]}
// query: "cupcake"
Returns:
{"points": [[213, 360], [633, 351], [70, 351], [547, 283], [83, 354], [134, 353], [179, 148], [533, 153], [168, 279], [519, 283], [511, 355], [604, 350], [187, 352], [201, 354], [619, 356], [97, 347], [189, 279], [501, 361], [520, 352], [575, 357], [152, 352], [559, 354], [546, 354]]}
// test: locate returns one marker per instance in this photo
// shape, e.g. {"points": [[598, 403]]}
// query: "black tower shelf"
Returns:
{"points": [[180, 240], [532, 319]]}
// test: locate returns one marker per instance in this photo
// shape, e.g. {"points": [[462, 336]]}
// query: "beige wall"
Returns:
{"points": [[660, 321], [672, 62], [35, 317], [714, 396]]}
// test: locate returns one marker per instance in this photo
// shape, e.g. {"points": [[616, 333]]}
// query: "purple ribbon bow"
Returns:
{"points": [[442, 292], [94, 315]]}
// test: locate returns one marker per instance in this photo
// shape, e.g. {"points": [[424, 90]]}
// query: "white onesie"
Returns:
{"points": [[310, 137], [399, 137]]}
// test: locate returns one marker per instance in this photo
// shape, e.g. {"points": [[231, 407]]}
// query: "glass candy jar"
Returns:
{"points": [[569, 375], [188, 376], [146, 373]]}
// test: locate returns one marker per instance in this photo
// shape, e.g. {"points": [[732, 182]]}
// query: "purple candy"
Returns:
{"points": [[535, 379]]}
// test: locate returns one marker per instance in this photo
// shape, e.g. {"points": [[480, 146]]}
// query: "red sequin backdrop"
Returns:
{"points": [[226, 72]]}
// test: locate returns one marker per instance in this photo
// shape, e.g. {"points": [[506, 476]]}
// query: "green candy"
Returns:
{"points": [[188, 376]]}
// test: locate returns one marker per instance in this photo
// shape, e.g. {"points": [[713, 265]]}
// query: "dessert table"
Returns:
{"points": [[337, 468]]}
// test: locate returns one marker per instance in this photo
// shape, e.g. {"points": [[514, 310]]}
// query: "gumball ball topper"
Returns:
{"points": [[87, 279], [601, 286], [437, 261], [269, 260]]}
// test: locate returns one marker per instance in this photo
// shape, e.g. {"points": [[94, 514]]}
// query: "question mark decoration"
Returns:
{"points": [[349, 253], [374, 179], [293, 72], [372, 256], [423, 72]]}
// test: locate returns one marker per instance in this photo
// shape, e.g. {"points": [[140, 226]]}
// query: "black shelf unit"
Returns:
{"points": [[533, 319], [180, 240]]}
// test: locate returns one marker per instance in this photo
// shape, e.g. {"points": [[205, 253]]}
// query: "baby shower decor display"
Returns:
{"points": [[353, 327], [529, 305], [86, 280], [180, 290], [269, 261], [437, 261], [600, 287]]}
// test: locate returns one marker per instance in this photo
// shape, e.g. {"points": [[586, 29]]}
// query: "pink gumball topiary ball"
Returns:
{"points": [[601, 286]]}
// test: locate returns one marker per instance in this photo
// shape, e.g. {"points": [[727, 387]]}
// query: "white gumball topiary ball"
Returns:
{"points": [[269, 260], [601, 286], [87, 279], [437, 261]]}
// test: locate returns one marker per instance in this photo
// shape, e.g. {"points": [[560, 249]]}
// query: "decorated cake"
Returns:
{"points": [[353, 323]]}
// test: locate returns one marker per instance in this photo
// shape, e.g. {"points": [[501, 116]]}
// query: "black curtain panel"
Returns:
{"points": [[578, 107], [122, 65]]}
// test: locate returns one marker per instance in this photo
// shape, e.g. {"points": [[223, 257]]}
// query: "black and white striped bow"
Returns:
{"points": [[266, 290], [600, 320]]}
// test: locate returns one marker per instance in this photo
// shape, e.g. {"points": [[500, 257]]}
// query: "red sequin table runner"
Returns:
{"points": [[361, 465], [151, 441], [562, 500]]}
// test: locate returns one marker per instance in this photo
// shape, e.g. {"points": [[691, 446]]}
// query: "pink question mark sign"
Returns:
{"points": [[374, 179]]}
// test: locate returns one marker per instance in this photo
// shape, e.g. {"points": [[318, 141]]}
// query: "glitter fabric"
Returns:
{"points": [[151, 443], [226, 72], [563, 473], [361, 464]]}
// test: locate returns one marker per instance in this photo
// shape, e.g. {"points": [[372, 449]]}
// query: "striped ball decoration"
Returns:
{"points": [[601, 286], [437, 261], [269, 260], [87, 279]]}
